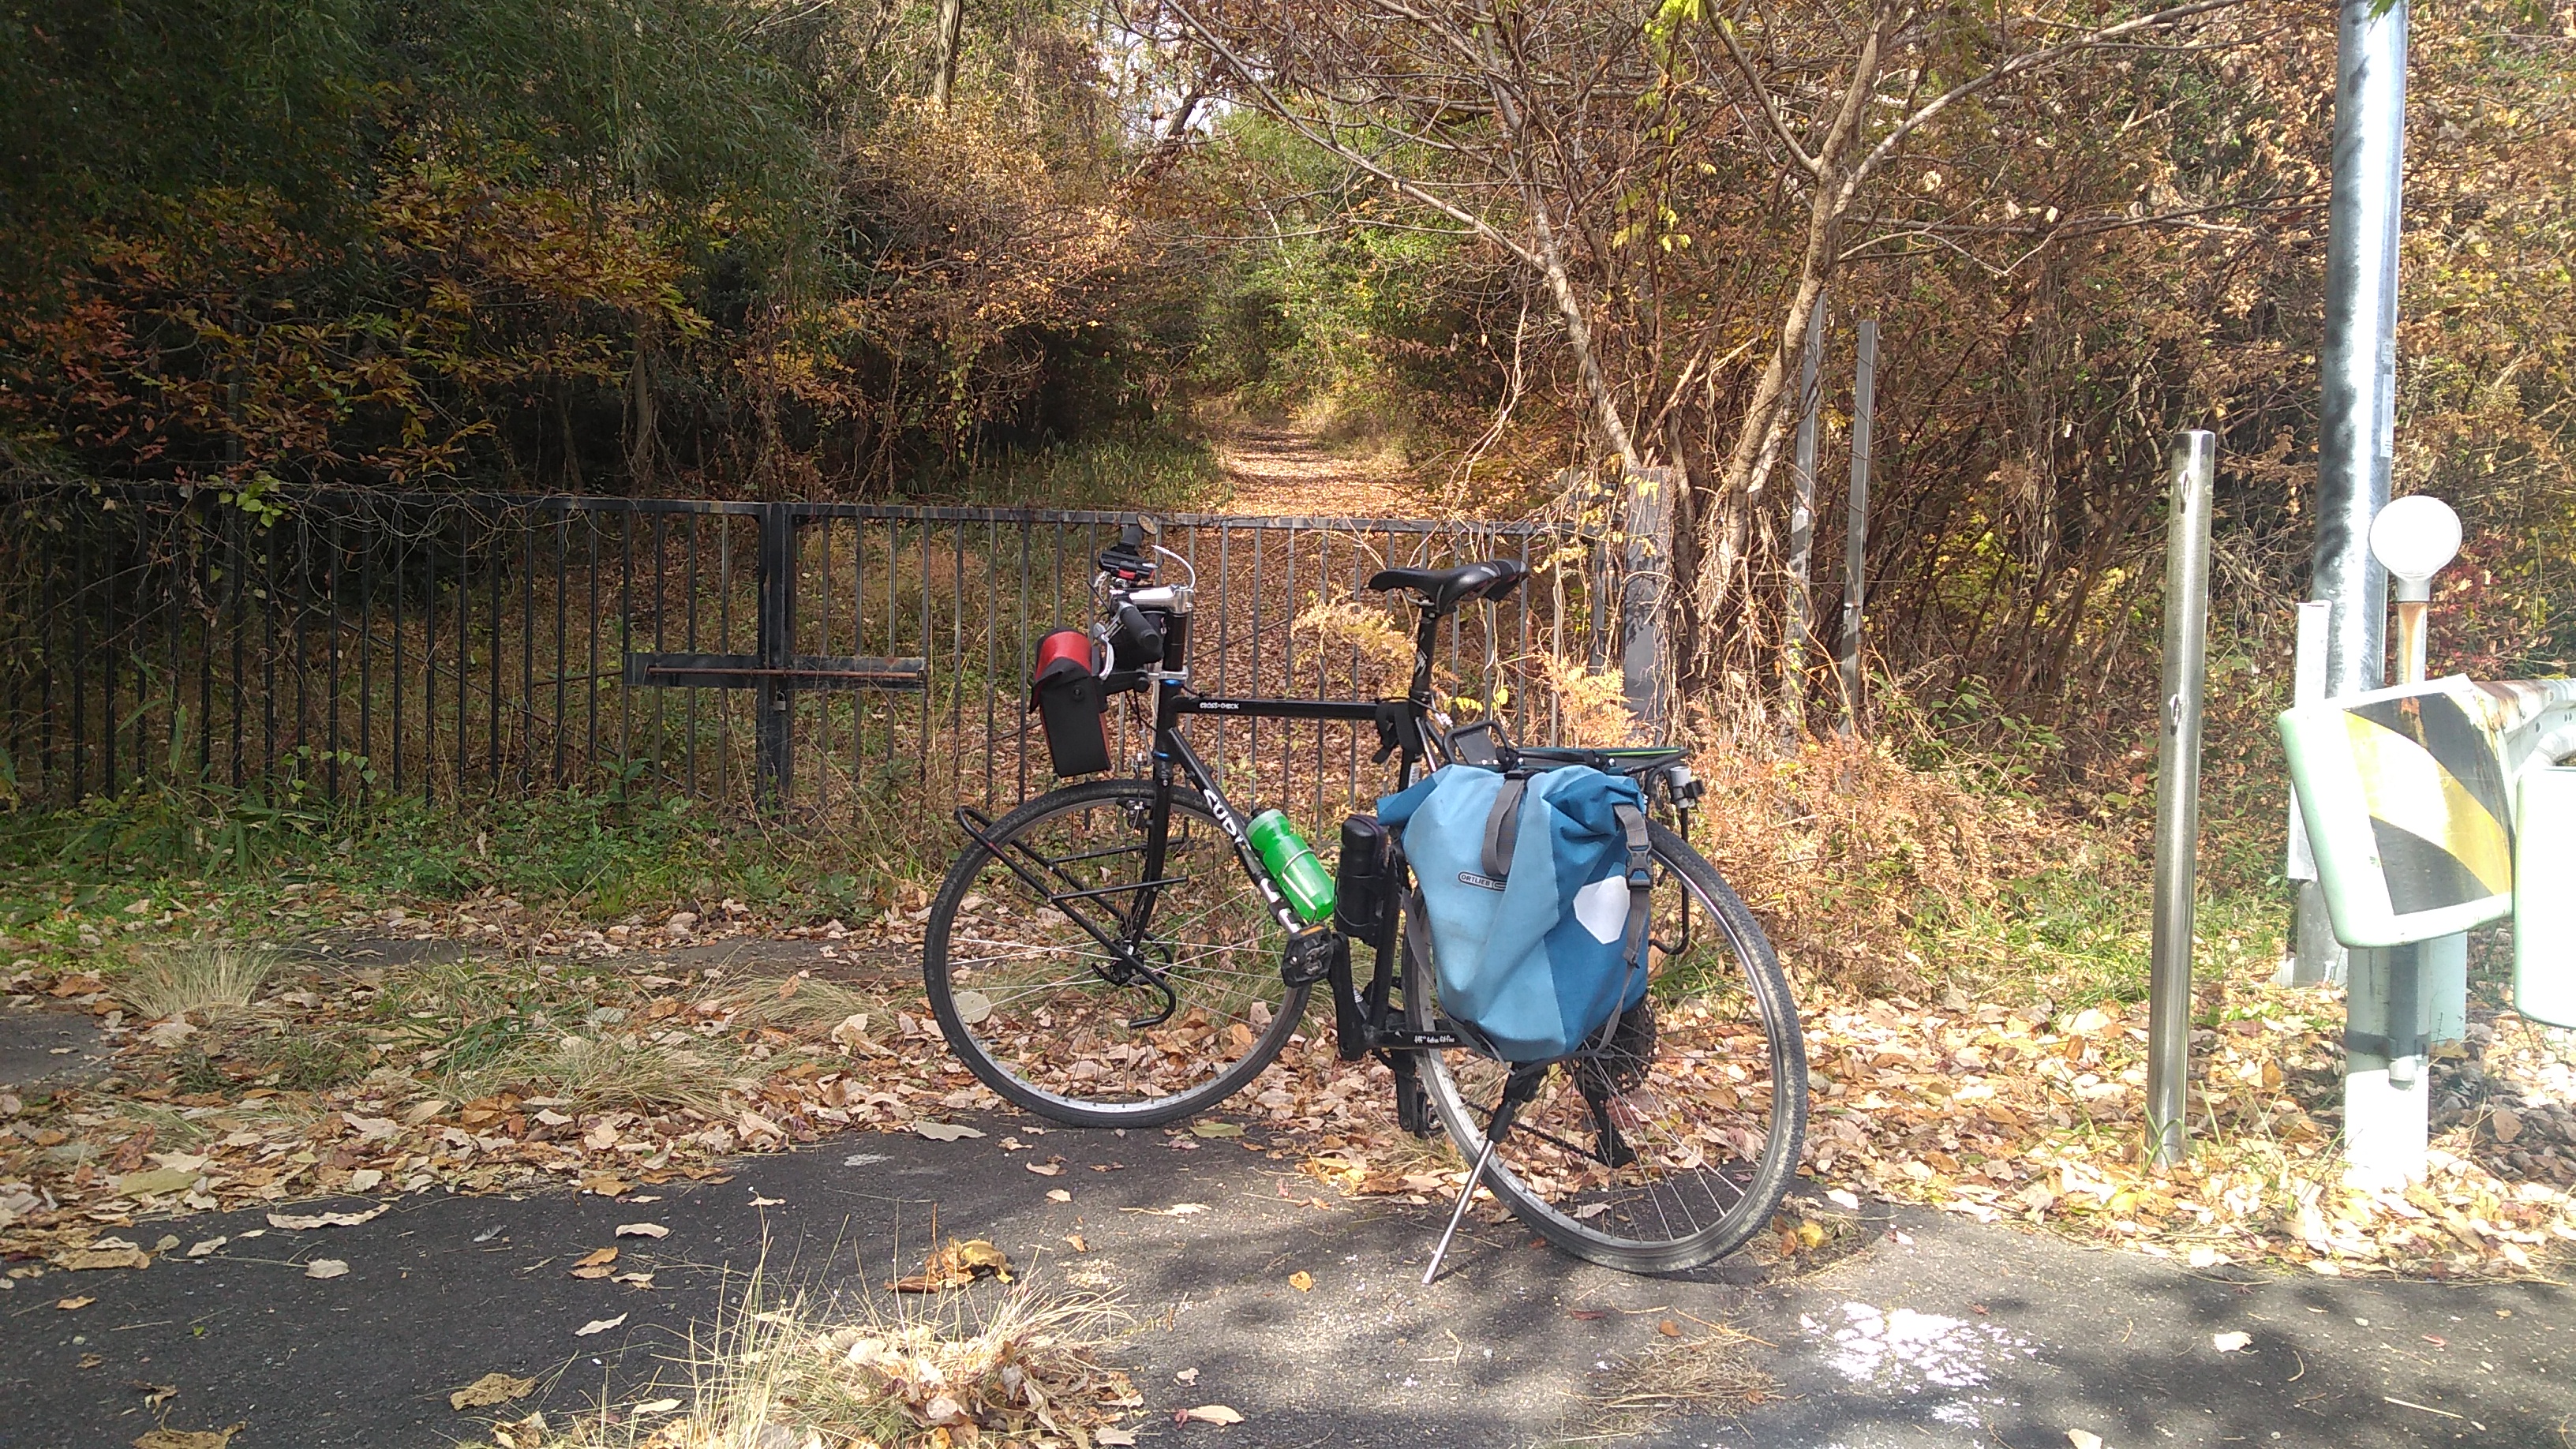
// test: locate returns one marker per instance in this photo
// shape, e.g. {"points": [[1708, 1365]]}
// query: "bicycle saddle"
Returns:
{"points": [[1445, 589]]}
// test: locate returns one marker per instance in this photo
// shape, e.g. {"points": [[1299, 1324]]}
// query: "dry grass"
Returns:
{"points": [[954, 1368], [813, 1003], [207, 976], [601, 1074], [1844, 850], [1712, 1372]]}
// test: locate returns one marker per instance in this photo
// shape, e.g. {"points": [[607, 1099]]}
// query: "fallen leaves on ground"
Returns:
{"points": [[326, 1268], [308, 1222], [1207, 1414], [2230, 1342], [955, 1264], [598, 1325], [492, 1388], [70, 1304], [1015, 1369], [1302, 1281], [642, 1230], [188, 1438], [103, 1253], [1992, 1111], [2037, 1113]]}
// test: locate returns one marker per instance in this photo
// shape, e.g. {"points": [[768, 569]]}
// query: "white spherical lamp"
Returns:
{"points": [[2413, 537]]}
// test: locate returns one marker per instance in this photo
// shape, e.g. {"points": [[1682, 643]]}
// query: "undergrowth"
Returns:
{"points": [[165, 858]]}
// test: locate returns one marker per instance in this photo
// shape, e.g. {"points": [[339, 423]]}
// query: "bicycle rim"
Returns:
{"points": [[1024, 993], [1675, 1156]]}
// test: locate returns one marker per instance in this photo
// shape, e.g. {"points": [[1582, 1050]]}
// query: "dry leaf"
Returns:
{"points": [[1079, 1245], [1302, 1281], [657, 1406], [758, 1201], [156, 1182], [1216, 1129], [1210, 1414], [492, 1388], [597, 1258], [2229, 1342], [1057, 1194], [105, 1253], [2084, 1439], [1669, 1329], [155, 1395], [1044, 1169], [642, 1230], [188, 1438], [326, 1268], [325, 1220], [1114, 1438], [598, 1325], [68, 1304], [944, 1131], [205, 1248]]}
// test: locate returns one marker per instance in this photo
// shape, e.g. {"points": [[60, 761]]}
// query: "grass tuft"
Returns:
{"points": [[1711, 1373], [957, 1368], [211, 976], [601, 1074]]}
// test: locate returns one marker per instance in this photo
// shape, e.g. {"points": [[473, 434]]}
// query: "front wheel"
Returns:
{"points": [[1674, 1144], [1026, 996]]}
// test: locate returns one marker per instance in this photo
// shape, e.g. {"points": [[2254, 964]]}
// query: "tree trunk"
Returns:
{"points": [[1757, 444], [952, 26]]}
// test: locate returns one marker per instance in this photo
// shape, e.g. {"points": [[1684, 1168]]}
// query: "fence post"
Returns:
{"points": [[1797, 618], [2178, 794], [773, 698], [1645, 574], [1856, 521]]}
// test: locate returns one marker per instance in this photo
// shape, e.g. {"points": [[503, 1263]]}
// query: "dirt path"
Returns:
{"points": [[1282, 473]]}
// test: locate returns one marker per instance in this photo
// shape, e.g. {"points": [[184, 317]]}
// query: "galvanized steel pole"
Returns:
{"points": [[2358, 428], [2384, 1099], [2195, 456]]}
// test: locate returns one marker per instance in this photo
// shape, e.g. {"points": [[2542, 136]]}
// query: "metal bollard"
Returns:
{"points": [[2195, 457]]}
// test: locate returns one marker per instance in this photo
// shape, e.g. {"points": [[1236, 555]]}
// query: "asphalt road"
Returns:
{"points": [[1927, 1330]]}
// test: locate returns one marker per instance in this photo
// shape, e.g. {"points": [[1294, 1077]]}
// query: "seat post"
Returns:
{"points": [[1426, 633]]}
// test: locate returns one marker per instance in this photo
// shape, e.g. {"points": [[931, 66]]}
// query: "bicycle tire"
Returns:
{"points": [[1551, 1195], [1246, 1010]]}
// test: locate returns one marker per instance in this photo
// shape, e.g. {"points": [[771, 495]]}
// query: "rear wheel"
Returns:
{"points": [[1675, 1144], [1026, 997]]}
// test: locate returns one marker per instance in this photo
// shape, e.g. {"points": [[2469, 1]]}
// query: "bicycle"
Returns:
{"points": [[1116, 954]]}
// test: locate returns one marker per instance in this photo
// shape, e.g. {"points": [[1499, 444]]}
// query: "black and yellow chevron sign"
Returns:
{"points": [[2439, 806]]}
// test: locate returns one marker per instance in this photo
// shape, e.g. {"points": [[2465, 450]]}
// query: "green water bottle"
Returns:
{"points": [[1300, 876]]}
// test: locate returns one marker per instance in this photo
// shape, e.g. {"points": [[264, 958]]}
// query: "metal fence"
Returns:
{"points": [[823, 656]]}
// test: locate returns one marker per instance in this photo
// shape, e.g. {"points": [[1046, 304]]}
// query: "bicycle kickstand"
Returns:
{"points": [[1458, 1214], [1518, 1089]]}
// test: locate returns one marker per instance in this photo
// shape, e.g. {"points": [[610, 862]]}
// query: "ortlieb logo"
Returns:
{"points": [[1481, 882]]}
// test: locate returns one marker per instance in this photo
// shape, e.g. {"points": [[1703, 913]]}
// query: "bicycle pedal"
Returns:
{"points": [[1310, 956]]}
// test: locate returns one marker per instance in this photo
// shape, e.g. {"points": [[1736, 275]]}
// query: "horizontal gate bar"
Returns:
{"points": [[809, 671]]}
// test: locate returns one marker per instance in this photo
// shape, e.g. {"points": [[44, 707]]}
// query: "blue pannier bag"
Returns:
{"points": [[1536, 891]]}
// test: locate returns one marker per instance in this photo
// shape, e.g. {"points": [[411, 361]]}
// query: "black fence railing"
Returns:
{"points": [[847, 656]]}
